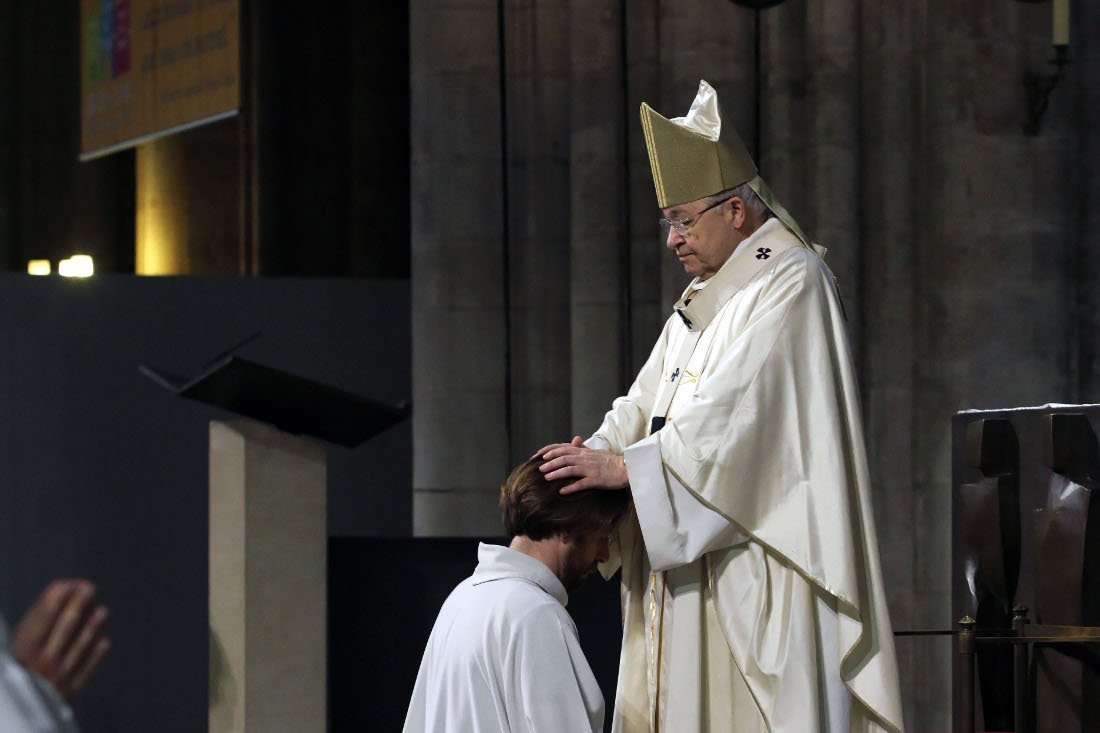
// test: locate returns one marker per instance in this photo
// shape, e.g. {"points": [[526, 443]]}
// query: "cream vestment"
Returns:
{"points": [[752, 594]]}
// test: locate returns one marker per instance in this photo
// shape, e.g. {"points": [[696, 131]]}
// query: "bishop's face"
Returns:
{"points": [[705, 237]]}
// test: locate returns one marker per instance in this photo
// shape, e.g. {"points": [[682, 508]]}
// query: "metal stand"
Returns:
{"points": [[1022, 636]]}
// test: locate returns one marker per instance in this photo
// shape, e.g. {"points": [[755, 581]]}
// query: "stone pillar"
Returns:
{"points": [[890, 113], [782, 159], [645, 307], [268, 549], [460, 439], [832, 130], [598, 269], [538, 100]]}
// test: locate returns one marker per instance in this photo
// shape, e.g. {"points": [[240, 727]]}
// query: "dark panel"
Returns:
{"points": [[334, 131], [987, 545], [1025, 533]]}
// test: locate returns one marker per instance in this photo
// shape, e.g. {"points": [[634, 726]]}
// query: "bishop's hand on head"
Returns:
{"points": [[592, 469]]}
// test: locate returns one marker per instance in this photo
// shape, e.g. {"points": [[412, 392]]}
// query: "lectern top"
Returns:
{"points": [[291, 403]]}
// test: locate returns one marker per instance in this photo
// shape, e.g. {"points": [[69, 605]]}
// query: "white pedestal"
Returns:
{"points": [[268, 544]]}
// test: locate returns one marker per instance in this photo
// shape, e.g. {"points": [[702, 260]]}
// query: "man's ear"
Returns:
{"points": [[737, 209]]}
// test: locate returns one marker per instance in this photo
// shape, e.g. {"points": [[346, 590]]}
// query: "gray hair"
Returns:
{"points": [[752, 202]]}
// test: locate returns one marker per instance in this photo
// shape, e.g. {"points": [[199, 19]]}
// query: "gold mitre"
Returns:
{"points": [[695, 156]]}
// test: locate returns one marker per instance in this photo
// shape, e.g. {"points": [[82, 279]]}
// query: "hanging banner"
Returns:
{"points": [[154, 67]]}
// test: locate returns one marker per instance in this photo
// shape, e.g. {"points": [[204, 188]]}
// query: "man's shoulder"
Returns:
{"points": [[801, 257], [504, 607], [512, 593], [800, 267]]}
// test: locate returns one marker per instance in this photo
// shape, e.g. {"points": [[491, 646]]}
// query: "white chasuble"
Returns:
{"points": [[752, 594]]}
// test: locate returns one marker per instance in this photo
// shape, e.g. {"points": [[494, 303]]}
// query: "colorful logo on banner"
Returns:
{"points": [[151, 66], [108, 41]]}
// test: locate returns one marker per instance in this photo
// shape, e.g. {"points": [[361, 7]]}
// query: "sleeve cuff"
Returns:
{"points": [[598, 442], [652, 503]]}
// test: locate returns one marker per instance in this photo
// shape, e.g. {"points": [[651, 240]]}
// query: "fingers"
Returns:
{"points": [[83, 654], [60, 638], [543, 450], [31, 633], [584, 484], [566, 472], [552, 464], [69, 623], [562, 450], [84, 672], [576, 442]]}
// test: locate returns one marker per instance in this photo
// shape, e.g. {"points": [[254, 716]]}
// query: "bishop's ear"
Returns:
{"points": [[737, 209]]}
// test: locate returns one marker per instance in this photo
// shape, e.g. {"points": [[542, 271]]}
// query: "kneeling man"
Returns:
{"points": [[504, 654]]}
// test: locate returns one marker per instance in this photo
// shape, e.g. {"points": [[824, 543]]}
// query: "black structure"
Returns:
{"points": [[1026, 568], [293, 404]]}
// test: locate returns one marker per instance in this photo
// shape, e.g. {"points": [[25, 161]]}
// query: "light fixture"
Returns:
{"points": [[38, 267], [76, 266], [1040, 86]]}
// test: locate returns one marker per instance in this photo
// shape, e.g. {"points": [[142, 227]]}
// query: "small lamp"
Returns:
{"points": [[76, 266]]}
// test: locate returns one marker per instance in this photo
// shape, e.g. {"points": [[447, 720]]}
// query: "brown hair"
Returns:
{"points": [[533, 507]]}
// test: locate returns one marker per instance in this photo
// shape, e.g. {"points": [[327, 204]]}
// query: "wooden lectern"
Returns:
{"points": [[268, 538]]}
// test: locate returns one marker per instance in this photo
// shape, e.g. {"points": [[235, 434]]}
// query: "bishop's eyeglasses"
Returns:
{"points": [[683, 226]]}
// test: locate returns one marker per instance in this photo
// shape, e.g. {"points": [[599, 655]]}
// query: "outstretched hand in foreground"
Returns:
{"points": [[61, 636]]}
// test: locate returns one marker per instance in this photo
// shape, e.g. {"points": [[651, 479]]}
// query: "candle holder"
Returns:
{"points": [[1039, 88]]}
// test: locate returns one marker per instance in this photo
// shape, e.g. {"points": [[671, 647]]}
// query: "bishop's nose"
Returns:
{"points": [[673, 239]]}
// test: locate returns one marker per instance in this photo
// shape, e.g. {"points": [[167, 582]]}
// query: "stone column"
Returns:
{"points": [[832, 127], [460, 441], [890, 113], [538, 99], [784, 137], [598, 269], [645, 306]]}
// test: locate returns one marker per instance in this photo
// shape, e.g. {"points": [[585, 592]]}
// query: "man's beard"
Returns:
{"points": [[575, 571]]}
